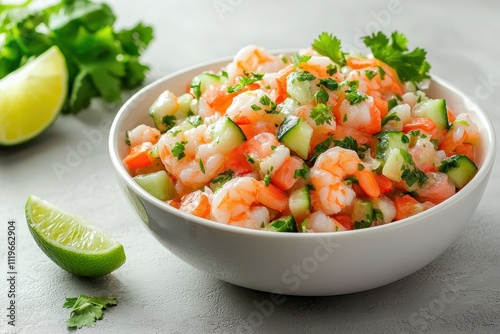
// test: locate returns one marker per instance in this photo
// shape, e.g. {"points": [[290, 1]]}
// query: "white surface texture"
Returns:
{"points": [[157, 293]]}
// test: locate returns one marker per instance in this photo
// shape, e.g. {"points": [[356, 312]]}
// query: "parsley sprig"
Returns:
{"points": [[248, 79], [410, 65]]}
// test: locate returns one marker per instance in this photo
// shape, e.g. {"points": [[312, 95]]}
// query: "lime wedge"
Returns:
{"points": [[31, 97], [71, 242]]}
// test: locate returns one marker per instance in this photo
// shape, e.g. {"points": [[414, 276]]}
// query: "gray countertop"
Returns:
{"points": [[157, 293]]}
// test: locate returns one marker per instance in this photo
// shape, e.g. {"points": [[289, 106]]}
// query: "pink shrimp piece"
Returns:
{"points": [[245, 202], [320, 222], [252, 59], [328, 174], [143, 133]]}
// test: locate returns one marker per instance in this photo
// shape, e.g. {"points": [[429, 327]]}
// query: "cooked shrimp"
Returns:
{"points": [[252, 59], [246, 202], [319, 222], [462, 137], [372, 81], [191, 155], [363, 116], [143, 133], [321, 66], [320, 131], [254, 110], [327, 176]]}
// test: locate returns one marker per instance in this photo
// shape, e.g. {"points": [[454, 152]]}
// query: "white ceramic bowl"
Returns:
{"points": [[295, 263]]}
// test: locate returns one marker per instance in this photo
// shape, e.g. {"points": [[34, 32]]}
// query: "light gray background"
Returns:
{"points": [[157, 293]]}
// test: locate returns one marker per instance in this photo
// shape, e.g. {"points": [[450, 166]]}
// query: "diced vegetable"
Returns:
{"points": [[435, 109], [227, 135], [300, 203], [283, 224], [158, 184], [388, 140], [362, 214], [459, 168], [295, 133], [200, 83], [163, 111]]}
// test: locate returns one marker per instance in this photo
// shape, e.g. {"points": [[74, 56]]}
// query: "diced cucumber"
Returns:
{"points": [[227, 135], [283, 224], [288, 106], [394, 164], [201, 82], [184, 107], [362, 214], [300, 203], [299, 90], [163, 111], [459, 168], [295, 133], [158, 184], [388, 140], [435, 109]]}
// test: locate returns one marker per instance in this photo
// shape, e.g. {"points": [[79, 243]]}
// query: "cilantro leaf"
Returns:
{"points": [[409, 65], [86, 310], [321, 114], [329, 46], [245, 81]]}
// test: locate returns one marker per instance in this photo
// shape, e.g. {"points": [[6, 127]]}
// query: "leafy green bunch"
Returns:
{"points": [[101, 61]]}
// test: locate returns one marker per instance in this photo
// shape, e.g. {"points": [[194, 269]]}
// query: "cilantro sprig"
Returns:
{"points": [[409, 65], [248, 79], [85, 311], [101, 61], [329, 46]]}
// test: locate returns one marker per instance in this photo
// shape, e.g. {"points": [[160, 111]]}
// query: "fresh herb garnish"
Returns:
{"points": [[409, 65], [329, 83], [169, 121], [370, 74], [86, 310], [250, 78], [195, 120], [321, 147], [202, 167], [178, 150], [296, 59], [303, 172], [101, 61], [411, 173], [321, 114], [223, 177], [321, 96], [304, 76], [328, 45], [390, 117]]}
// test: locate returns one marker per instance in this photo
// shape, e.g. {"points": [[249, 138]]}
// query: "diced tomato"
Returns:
{"points": [[436, 189], [283, 177], [281, 80], [407, 206], [384, 183], [139, 156], [195, 203], [238, 162], [382, 106], [359, 63], [345, 221], [424, 124]]}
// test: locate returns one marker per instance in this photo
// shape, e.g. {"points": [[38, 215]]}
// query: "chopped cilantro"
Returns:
{"points": [[178, 150], [345, 118], [362, 224], [255, 107], [370, 74], [409, 65], [245, 81], [303, 172], [321, 114], [350, 180], [390, 117], [86, 310], [392, 103], [169, 121], [265, 100], [348, 143], [361, 167], [381, 72], [250, 159], [328, 45], [296, 59], [354, 97], [411, 173], [330, 83], [321, 147], [304, 76], [267, 177], [405, 139], [223, 177], [321, 96], [195, 120], [331, 69], [378, 214], [202, 167]]}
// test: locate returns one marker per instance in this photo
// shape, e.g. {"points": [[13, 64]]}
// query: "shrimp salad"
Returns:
{"points": [[317, 141]]}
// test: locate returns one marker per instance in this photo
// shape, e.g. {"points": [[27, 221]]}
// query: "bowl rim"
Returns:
{"points": [[122, 173]]}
